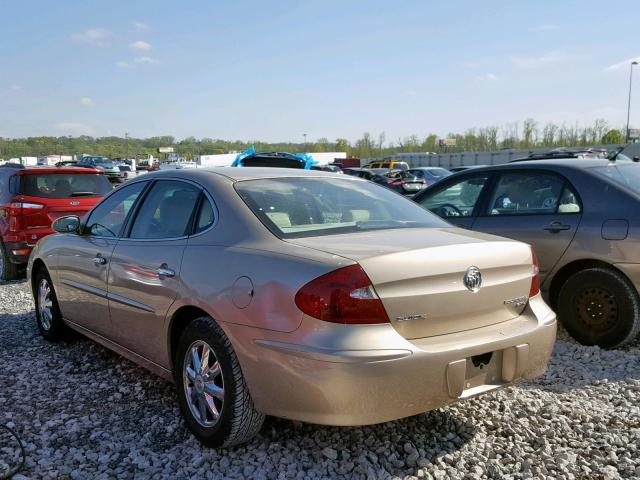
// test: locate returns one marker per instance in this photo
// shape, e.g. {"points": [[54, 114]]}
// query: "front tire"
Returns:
{"points": [[212, 393], [599, 306], [48, 315]]}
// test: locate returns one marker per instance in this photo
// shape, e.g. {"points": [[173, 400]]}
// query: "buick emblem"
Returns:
{"points": [[473, 279], [74, 202]]}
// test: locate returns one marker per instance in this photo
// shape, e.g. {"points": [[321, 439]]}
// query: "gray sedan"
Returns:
{"points": [[582, 216]]}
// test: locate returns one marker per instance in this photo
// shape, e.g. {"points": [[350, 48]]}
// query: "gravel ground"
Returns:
{"points": [[84, 412]]}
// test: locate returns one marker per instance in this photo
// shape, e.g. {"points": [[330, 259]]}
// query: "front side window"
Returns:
{"points": [[108, 218], [456, 200], [309, 207], [527, 194], [167, 211]]}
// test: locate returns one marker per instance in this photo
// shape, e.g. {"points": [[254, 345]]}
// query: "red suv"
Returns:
{"points": [[31, 198]]}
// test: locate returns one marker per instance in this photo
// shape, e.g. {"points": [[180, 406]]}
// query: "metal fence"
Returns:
{"points": [[450, 160]]}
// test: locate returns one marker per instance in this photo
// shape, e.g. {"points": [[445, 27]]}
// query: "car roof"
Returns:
{"points": [[244, 173], [562, 163], [48, 169], [427, 168]]}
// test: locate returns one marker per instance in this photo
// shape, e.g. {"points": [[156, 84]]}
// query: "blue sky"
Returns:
{"points": [[275, 70]]}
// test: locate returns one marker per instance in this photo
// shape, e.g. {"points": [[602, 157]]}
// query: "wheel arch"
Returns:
{"points": [[179, 321], [38, 264], [571, 268]]}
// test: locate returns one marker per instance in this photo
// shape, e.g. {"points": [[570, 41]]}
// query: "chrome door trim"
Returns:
{"points": [[129, 302], [85, 288], [109, 296]]}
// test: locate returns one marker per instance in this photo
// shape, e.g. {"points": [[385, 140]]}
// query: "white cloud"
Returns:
{"points": [[71, 128], [146, 60], [97, 37], [15, 88], [537, 61], [122, 64], [547, 27], [86, 102], [140, 45], [487, 77], [625, 64], [410, 93], [140, 26]]}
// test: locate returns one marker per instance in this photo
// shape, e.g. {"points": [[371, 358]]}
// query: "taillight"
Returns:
{"points": [[19, 206], [17, 210], [535, 279], [397, 183], [345, 296]]}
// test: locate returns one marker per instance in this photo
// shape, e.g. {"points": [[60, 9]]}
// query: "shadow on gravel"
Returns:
{"points": [[396, 448]]}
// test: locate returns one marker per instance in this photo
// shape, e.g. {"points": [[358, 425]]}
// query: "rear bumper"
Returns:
{"points": [[372, 374], [18, 252]]}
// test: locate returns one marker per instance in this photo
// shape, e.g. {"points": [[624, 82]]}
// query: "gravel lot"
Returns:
{"points": [[84, 412]]}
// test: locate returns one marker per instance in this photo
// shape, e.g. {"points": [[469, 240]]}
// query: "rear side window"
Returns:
{"points": [[206, 216], [64, 185], [167, 211], [531, 194]]}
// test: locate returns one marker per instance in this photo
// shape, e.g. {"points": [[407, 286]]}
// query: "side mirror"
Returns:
{"points": [[68, 224]]}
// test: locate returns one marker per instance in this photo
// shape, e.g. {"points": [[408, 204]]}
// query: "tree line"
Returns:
{"points": [[527, 135]]}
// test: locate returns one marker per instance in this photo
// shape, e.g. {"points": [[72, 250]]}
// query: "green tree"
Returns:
{"points": [[613, 136]]}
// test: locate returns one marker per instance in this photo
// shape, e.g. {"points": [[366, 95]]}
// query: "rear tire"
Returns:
{"points": [[228, 418], [599, 306], [8, 271], [48, 315]]}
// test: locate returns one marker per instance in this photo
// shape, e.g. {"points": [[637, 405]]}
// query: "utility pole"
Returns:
{"points": [[126, 145], [626, 137], [305, 142]]}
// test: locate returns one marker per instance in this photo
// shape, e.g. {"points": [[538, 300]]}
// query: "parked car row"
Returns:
{"points": [[372, 291]]}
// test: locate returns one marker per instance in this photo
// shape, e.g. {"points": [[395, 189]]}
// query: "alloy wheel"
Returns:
{"points": [[203, 383], [45, 304]]}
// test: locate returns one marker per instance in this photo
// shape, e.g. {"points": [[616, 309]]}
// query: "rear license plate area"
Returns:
{"points": [[486, 371]]}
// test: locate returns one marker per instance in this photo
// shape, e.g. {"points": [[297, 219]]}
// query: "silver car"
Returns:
{"points": [[301, 294]]}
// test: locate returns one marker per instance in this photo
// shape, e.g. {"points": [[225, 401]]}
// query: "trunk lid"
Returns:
{"points": [[419, 276]]}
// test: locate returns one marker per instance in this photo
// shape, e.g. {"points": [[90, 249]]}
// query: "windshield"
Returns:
{"points": [[64, 185], [625, 175], [310, 207]]}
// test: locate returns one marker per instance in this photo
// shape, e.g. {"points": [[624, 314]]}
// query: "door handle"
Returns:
{"points": [[99, 260], [164, 271], [555, 227]]}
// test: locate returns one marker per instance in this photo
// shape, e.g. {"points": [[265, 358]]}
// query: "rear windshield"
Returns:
{"points": [[64, 185], [626, 175], [277, 162], [438, 172], [311, 207]]}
